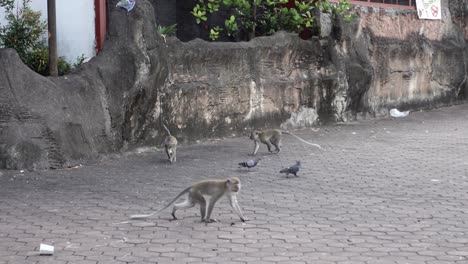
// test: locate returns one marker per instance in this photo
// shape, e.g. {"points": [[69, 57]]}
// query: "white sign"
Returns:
{"points": [[429, 9]]}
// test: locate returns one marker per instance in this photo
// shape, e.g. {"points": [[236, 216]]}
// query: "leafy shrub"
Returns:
{"points": [[24, 32], [167, 30], [265, 17], [24, 29]]}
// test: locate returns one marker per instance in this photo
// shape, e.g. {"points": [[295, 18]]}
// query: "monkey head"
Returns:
{"points": [[254, 135], [233, 184]]}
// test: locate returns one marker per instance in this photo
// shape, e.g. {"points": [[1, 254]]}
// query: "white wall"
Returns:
{"points": [[75, 26]]}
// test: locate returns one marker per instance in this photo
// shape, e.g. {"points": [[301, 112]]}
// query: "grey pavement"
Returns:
{"points": [[381, 191]]}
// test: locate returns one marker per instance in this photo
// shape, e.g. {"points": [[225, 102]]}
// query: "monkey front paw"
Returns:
{"points": [[209, 220], [245, 219]]}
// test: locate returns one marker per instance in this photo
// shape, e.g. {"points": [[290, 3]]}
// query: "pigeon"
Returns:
{"points": [[294, 169], [250, 163]]}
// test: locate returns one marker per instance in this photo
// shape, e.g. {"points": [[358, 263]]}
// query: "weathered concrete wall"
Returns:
{"points": [[219, 89], [120, 98], [56, 122], [387, 58], [406, 62]]}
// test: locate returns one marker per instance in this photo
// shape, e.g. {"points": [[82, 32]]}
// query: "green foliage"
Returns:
{"points": [[38, 60], [342, 9], [63, 66], [24, 33], [231, 25], [264, 17], [199, 12], [212, 6], [24, 29], [79, 60], [214, 32], [167, 31]]}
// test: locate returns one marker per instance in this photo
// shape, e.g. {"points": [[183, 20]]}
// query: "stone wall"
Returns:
{"points": [[217, 89], [407, 62], [60, 122], [119, 99]]}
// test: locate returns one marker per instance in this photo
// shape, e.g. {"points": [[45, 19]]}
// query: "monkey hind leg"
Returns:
{"points": [[168, 153], [278, 147], [269, 145], [183, 205], [197, 198]]}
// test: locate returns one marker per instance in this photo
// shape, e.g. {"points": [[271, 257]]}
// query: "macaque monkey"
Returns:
{"points": [[271, 137], [170, 146], [196, 193]]}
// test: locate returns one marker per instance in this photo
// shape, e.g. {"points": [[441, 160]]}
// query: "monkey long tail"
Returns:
{"points": [[167, 130], [142, 216], [312, 144]]}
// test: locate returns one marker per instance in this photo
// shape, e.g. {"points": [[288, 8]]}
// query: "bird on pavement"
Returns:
{"points": [[294, 169], [250, 163]]}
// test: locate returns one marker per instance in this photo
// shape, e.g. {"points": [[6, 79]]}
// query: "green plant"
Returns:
{"points": [[79, 60], [199, 12], [231, 25], [24, 29], [337, 10], [38, 58], [214, 32], [63, 66], [167, 30], [264, 17], [24, 32]]}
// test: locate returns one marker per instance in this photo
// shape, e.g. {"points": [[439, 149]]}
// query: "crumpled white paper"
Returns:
{"points": [[395, 113], [46, 249]]}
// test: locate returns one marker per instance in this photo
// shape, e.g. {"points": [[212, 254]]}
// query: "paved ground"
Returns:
{"points": [[382, 191]]}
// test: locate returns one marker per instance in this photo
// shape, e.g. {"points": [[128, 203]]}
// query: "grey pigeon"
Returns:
{"points": [[294, 169], [250, 163]]}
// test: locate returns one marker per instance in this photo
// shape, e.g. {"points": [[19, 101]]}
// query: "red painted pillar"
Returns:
{"points": [[100, 23]]}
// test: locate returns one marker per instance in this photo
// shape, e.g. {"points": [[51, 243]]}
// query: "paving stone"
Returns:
{"points": [[394, 191]]}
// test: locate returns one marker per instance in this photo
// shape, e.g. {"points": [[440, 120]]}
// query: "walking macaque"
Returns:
{"points": [[170, 146], [271, 137], [215, 189]]}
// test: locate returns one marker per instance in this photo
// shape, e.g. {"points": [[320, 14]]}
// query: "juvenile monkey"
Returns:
{"points": [[170, 146], [271, 137], [215, 189]]}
